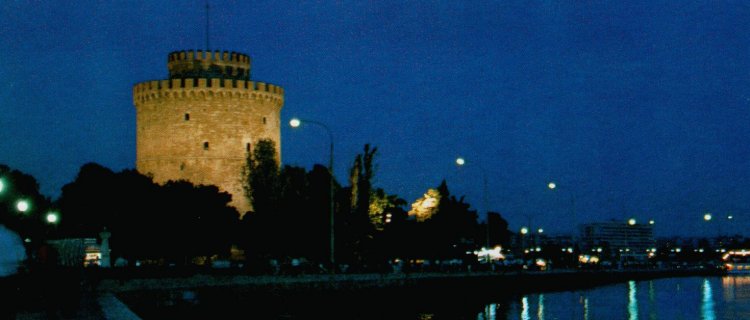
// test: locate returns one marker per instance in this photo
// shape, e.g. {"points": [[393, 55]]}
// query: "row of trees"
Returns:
{"points": [[179, 221], [291, 216]]}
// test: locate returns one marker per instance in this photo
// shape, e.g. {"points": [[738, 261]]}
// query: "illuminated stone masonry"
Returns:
{"points": [[200, 124]]}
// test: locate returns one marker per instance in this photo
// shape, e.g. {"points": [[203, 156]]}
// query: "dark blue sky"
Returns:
{"points": [[638, 108]]}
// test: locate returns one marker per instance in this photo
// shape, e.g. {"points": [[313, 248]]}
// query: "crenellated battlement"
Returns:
{"points": [[202, 88], [208, 64], [226, 56]]}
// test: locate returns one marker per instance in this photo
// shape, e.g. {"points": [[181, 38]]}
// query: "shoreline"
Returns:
{"points": [[519, 281]]}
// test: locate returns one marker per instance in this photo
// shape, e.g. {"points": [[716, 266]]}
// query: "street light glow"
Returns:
{"points": [[22, 205], [295, 122], [540, 230], [524, 230], [729, 217], [2, 185], [631, 221], [460, 161], [707, 217], [53, 217], [552, 185], [651, 221]]}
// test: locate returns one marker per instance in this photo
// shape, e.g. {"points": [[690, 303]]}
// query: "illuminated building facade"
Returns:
{"points": [[201, 123], [619, 238]]}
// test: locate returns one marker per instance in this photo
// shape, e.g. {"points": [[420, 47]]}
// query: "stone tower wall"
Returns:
{"points": [[200, 129]]}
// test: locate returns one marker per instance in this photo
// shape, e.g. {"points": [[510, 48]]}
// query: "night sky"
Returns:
{"points": [[635, 108]]}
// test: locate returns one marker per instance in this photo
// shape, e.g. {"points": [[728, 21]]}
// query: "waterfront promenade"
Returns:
{"points": [[109, 296]]}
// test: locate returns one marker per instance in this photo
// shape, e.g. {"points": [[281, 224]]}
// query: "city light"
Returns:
{"points": [[2, 185], [460, 161], [540, 230], [729, 217], [53, 217], [631, 221], [552, 185], [707, 217], [524, 230], [295, 122], [22, 205], [651, 222]]}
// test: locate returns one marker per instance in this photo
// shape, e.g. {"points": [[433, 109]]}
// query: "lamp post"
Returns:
{"points": [[553, 186], [461, 162], [295, 122]]}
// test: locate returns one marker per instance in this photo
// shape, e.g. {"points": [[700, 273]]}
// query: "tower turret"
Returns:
{"points": [[200, 124]]}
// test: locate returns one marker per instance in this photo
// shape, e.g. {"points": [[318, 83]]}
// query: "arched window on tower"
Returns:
{"points": [[205, 145], [187, 117]]}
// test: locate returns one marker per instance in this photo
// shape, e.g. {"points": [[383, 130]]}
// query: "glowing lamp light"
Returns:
{"points": [[53, 217], [2, 185], [707, 217], [552, 185], [22, 205], [460, 161], [631, 221], [524, 230], [295, 122], [1, 189], [651, 222], [540, 230]]}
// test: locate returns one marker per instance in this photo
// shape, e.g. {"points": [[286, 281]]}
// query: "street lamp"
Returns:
{"points": [[22, 205], [707, 217], [461, 162], [553, 186], [295, 122], [2, 185], [631, 221], [52, 217]]}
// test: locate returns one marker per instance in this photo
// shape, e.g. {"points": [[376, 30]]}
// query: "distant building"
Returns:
{"points": [[618, 239], [201, 123]]}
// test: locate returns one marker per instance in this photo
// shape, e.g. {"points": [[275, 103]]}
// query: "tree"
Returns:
{"points": [[88, 202], [498, 233], [361, 230], [175, 222], [451, 230], [262, 175], [261, 229], [19, 186]]}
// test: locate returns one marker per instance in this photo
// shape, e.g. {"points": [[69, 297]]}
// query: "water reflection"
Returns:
{"points": [[651, 301], [707, 305], [586, 308], [540, 310], [632, 301], [525, 308], [676, 298]]}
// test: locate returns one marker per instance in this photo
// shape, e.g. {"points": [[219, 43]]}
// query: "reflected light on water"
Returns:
{"points": [[651, 301], [540, 311], [632, 301], [585, 308], [525, 308], [490, 312], [707, 305], [736, 288]]}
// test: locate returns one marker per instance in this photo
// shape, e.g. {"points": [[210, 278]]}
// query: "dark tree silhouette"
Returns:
{"points": [[171, 223], [21, 186]]}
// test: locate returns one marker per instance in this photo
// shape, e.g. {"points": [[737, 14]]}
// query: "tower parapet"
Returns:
{"points": [[202, 122], [208, 64]]}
